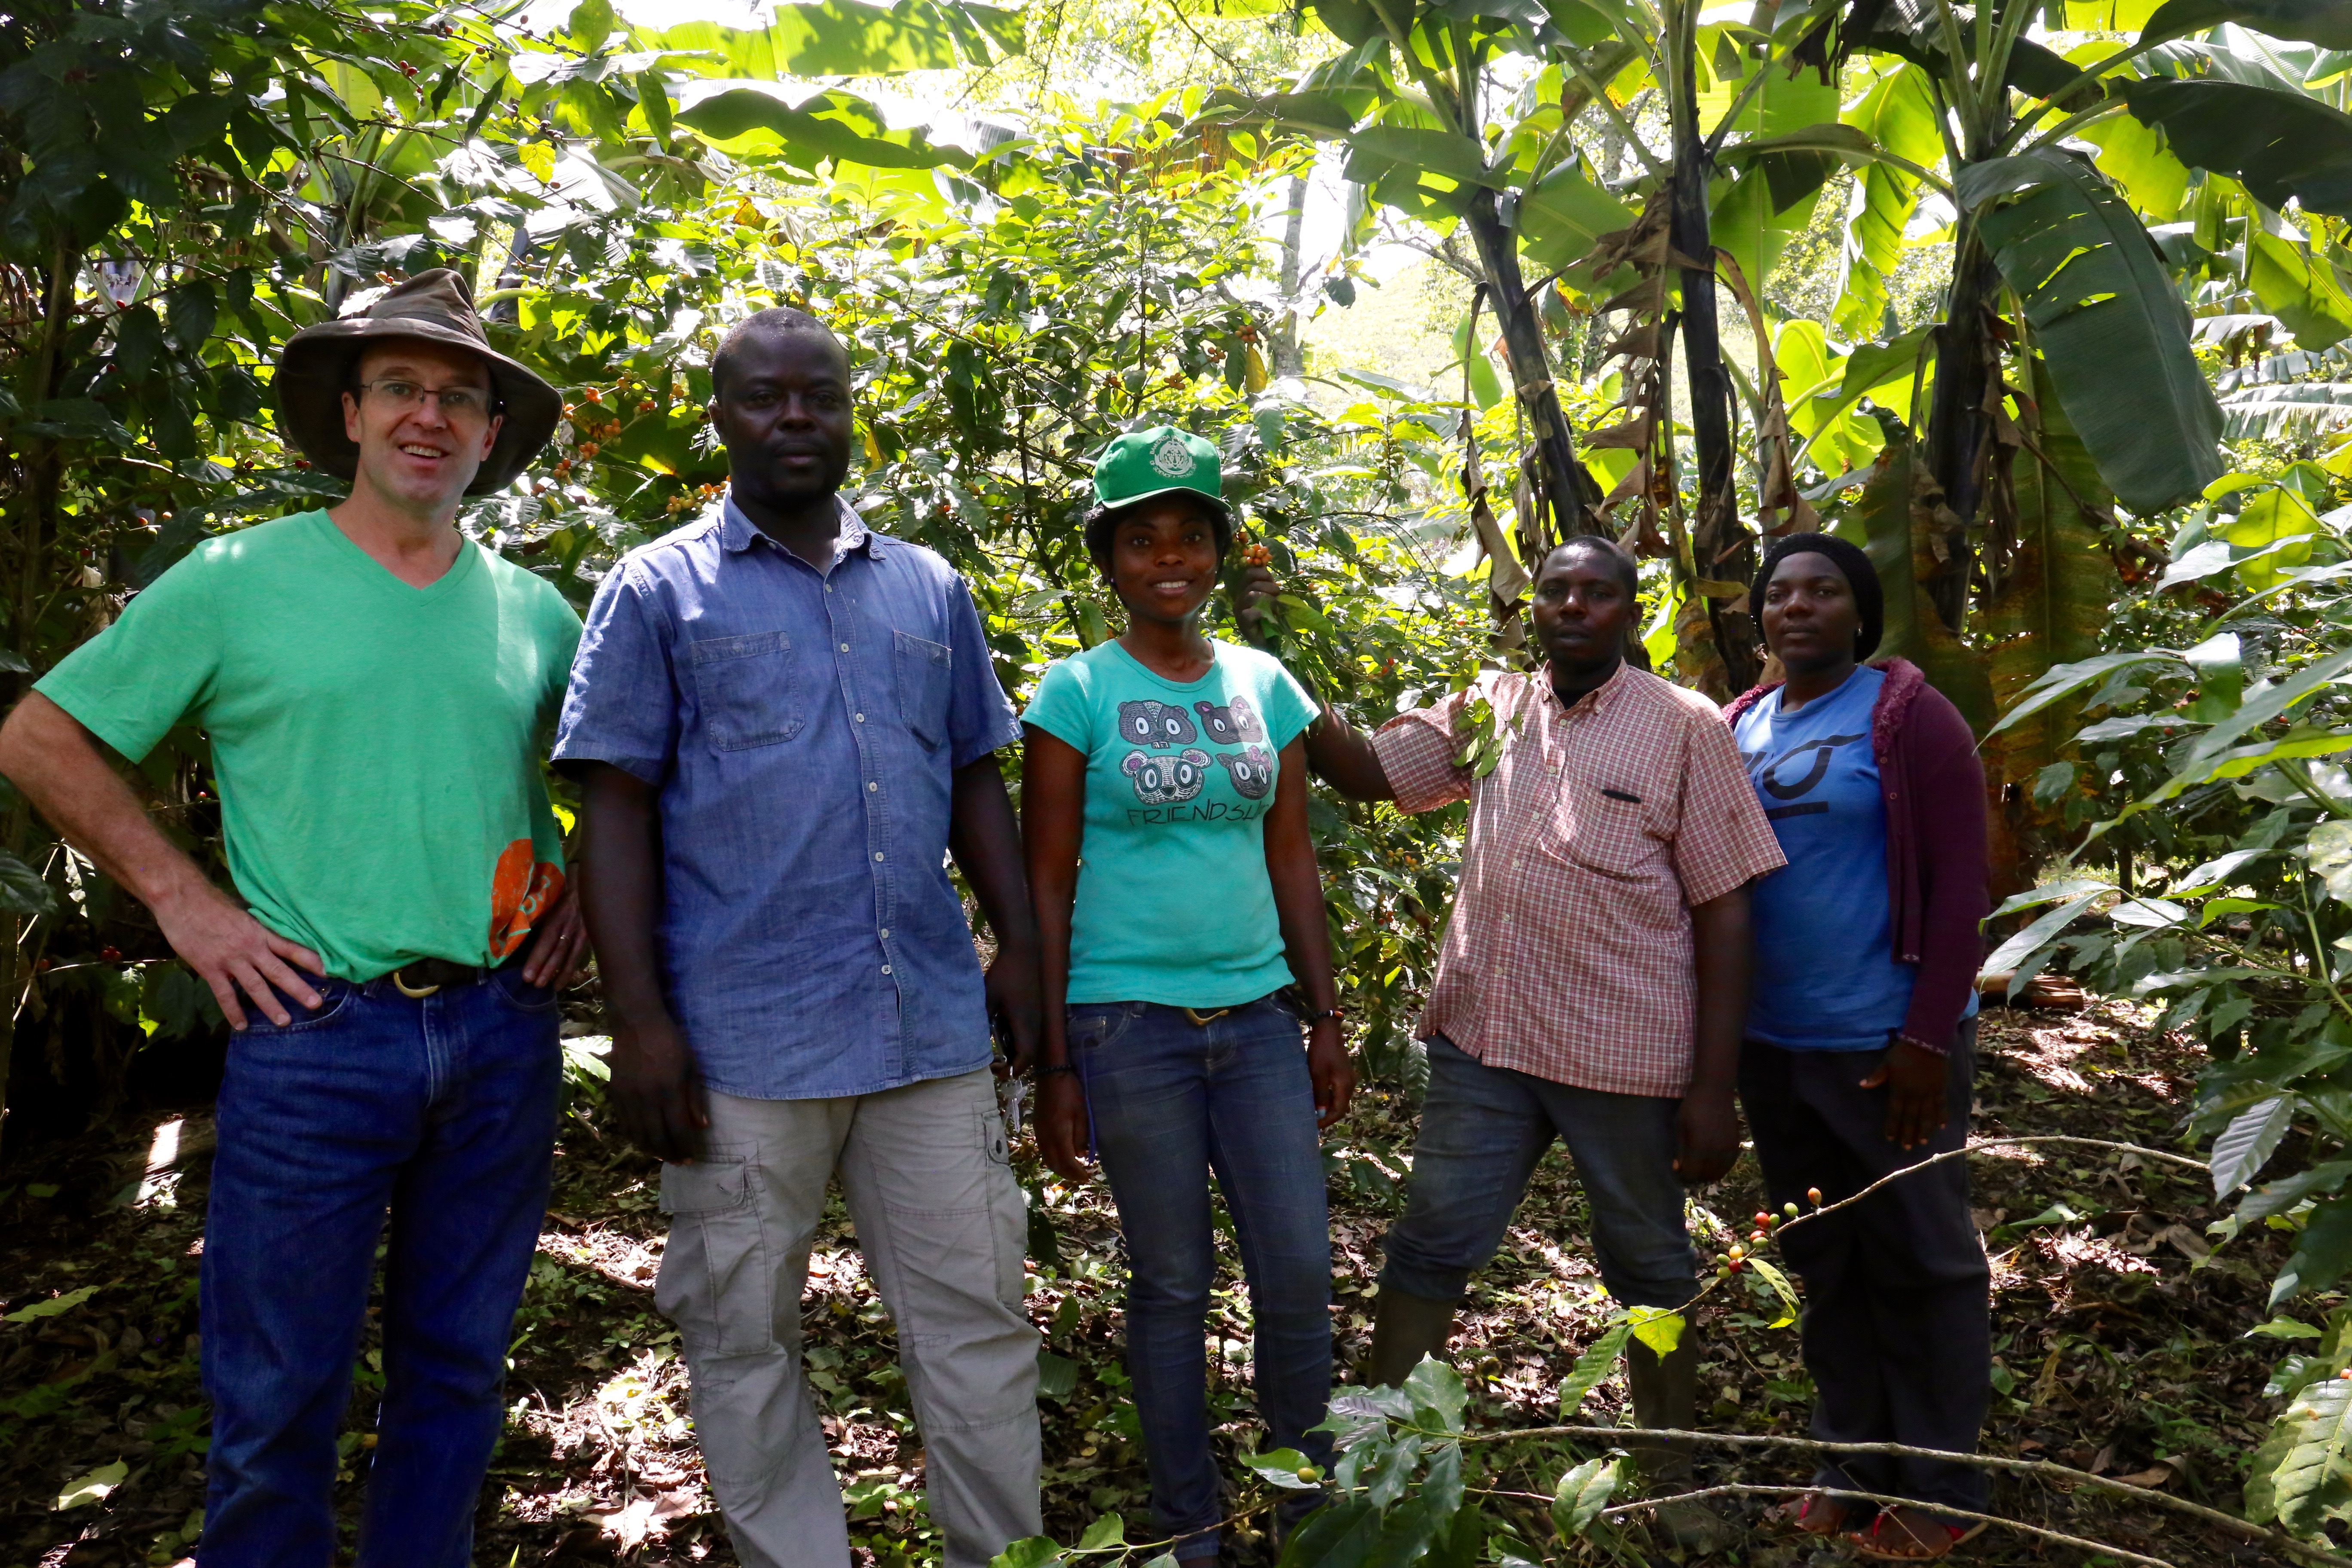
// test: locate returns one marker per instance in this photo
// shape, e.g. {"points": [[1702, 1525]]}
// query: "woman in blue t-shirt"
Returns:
{"points": [[1164, 805], [1860, 1051]]}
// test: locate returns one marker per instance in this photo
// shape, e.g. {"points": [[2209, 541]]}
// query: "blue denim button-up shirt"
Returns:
{"points": [[802, 727]]}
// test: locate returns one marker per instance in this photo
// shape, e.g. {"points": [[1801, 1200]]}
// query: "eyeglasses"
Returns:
{"points": [[457, 402]]}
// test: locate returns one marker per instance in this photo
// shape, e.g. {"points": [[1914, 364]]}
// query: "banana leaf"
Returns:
{"points": [[2327, 22], [2105, 314], [2279, 144]]}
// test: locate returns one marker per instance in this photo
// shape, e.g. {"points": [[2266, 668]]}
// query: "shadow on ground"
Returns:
{"points": [[2121, 1343]]}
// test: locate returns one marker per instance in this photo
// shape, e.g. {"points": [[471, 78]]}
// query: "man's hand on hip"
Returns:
{"points": [[228, 949], [1707, 1136], [657, 1096]]}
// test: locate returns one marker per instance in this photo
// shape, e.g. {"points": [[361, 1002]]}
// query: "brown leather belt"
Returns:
{"points": [[427, 975]]}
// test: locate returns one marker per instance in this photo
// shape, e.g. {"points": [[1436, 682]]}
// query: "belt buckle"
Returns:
{"points": [[414, 993]]}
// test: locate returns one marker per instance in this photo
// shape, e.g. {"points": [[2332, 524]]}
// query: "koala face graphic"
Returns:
{"points": [[1155, 724], [1160, 780], [1253, 770], [1232, 724]]}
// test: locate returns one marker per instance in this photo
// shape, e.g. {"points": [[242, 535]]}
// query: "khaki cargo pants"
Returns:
{"points": [[943, 1230]]}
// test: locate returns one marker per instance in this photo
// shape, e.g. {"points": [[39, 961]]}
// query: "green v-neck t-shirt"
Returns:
{"points": [[1174, 904], [376, 747]]}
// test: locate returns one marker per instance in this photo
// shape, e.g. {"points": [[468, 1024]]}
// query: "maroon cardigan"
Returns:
{"points": [[1935, 842]]}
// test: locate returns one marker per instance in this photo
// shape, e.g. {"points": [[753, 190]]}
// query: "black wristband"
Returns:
{"points": [[1333, 1013], [1052, 1069]]}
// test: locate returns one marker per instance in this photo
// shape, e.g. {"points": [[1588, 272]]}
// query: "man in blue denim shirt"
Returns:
{"points": [[784, 724]]}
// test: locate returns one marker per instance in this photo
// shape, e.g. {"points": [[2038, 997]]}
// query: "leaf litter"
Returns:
{"points": [[2125, 1340]]}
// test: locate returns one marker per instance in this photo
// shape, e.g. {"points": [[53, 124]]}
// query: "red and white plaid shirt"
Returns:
{"points": [[1569, 952]]}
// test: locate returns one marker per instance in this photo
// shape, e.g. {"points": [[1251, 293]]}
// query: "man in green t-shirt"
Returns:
{"points": [[374, 687]]}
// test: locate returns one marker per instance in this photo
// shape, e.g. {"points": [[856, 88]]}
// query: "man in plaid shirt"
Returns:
{"points": [[1593, 980]]}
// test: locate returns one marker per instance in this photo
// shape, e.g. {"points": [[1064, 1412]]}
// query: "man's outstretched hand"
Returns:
{"points": [[229, 950]]}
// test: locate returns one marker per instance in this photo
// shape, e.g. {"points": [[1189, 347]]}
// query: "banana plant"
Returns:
{"points": [[2062, 376], [1483, 116]]}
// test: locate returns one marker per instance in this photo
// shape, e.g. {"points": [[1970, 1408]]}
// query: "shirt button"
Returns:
{"points": [[878, 854], [886, 933], [845, 648], [859, 717], [886, 968], [872, 787]]}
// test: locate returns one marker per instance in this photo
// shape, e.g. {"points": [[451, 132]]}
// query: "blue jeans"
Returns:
{"points": [[441, 1110], [1170, 1101], [1482, 1131]]}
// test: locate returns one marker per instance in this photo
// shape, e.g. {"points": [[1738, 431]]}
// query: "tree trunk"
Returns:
{"points": [[1289, 354], [1568, 490], [1722, 548], [1959, 426]]}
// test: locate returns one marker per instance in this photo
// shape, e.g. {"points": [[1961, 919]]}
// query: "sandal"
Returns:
{"points": [[1817, 1513], [1914, 1548]]}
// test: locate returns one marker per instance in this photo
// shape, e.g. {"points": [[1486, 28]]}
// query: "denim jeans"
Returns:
{"points": [[440, 1111], [1482, 1131], [1170, 1101], [1898, 1297]]}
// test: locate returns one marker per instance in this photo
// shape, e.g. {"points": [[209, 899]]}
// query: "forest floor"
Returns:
{"points": [[2121, 1344]]}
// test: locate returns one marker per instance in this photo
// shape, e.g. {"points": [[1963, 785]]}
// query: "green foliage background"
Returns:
{"points": [[186, 183]]}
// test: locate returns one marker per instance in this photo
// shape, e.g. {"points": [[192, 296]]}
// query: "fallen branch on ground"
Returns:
{"points": [[1739, 1489], [2277, 1540]]}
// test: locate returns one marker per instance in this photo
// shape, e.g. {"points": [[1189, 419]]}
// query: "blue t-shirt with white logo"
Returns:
{"points": [[1826, 978]]}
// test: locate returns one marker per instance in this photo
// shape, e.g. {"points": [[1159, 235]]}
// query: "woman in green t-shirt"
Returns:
{"points": [[1164, 803]]}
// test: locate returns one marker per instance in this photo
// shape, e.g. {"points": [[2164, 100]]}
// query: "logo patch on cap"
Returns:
{"points": [[1171, 456]]}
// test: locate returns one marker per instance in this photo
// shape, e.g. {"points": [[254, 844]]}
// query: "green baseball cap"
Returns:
{"points": [[1158, 462]]}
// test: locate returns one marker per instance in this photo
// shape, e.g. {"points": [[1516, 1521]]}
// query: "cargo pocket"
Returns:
{"points": [[715, 1280]]}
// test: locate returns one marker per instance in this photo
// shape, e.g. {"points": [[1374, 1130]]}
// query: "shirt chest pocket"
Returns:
{"points": [[1605, 828], [925, 671], [749, 689]]}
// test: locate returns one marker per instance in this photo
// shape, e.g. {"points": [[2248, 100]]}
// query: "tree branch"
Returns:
{"points": [[1733, 1488], [1892, 1176], [2213, 1516]]}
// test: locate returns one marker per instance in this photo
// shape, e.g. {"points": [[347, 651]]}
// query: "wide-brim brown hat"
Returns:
{"points": [[316, 367]]}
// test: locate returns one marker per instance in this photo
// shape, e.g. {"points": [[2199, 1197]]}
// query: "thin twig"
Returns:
{"points": [[1735, 1488], [1965, 1149], [1615, 1434]]}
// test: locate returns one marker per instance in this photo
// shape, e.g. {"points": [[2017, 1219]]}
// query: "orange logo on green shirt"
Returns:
{"points": [[521, 891]]}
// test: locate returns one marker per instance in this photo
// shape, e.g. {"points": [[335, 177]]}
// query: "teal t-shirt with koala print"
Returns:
{"points": [[1174, 905]]}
